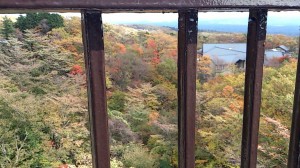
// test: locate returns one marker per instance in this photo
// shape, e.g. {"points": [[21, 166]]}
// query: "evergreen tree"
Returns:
{"points": [[45, 21], [7, 28]]}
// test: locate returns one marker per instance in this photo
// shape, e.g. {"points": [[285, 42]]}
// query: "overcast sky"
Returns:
{"points": [[235, 18], [232, 18]]}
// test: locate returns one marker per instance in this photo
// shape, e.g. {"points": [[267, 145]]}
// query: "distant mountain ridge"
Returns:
{"points": [[286, 30], [290, 30]]}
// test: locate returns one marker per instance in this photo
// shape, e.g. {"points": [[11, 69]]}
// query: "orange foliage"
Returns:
{"points": [[204, 65], [151, 44], [293, 60], [173, 53], [227, 91], [138, 49], [153, 116], [236, 106], [70, 47], [277, 61], [76, 69], [283, 58], [155, 60], [73, 45], [63, 166], [121, 48]]}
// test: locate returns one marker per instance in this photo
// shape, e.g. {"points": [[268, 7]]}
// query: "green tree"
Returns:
{"points": [[167, 68], [7, 28], [44, 21], [117, 101]]}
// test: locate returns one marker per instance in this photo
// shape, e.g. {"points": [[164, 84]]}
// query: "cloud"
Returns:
{"points": [[233, 18], [139, 17], [228, 18]]}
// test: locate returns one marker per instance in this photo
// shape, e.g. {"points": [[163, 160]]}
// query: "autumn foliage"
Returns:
{"points": [[121, 48], [44, 108], [76, 70]]}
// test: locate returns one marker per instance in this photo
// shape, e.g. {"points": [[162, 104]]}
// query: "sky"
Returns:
{"points": [[231, 18], [286, 22]]}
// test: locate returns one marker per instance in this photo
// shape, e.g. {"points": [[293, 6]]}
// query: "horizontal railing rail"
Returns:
{"points": [[147, 4]]}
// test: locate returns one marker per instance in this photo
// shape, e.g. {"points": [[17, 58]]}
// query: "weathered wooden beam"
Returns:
{"points": [[294, 148], [146, 4], [253, 86], [187, 60], [92, 32]]}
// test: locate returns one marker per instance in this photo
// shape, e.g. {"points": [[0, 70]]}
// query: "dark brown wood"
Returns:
{"points": [[294, 151], [146, 4], [92, 32], [187, 60], [253, 85]]}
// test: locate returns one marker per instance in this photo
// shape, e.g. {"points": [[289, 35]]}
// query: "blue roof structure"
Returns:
{"points": [[273, 53], [225, 53], [283, 47], [230, 53]]}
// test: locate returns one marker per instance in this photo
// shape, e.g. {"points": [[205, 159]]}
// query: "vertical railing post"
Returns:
{"points": [[253, 86], [92, 33], [187, 60], [294, 161]]}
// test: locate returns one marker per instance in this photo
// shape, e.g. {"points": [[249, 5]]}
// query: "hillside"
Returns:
{"points": [[43, 100]]}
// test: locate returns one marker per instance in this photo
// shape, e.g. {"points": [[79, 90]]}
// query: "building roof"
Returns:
{"points": [[283, 47], [230, 53], [225, 53], [273, 53]]}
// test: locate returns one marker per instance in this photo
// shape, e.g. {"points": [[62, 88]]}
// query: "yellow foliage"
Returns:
{"points": [[200, 162], [204, 65], [153, 116]]}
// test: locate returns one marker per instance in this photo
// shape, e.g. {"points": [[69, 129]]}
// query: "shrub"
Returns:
{"points": [[137, 156], [117, 101]]}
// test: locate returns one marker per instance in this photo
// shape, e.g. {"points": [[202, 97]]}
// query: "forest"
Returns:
{"points": [[44, 118]]}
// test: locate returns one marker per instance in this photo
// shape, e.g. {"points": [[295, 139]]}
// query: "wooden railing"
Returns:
{"points": [[187, 41]]}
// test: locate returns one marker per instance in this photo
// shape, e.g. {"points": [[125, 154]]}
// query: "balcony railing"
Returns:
{"points": [[187, 42]]}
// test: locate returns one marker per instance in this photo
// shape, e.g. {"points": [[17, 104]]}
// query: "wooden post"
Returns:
{"points": [[294, 151], [253, 85], [187, 61], [92, 32]]}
